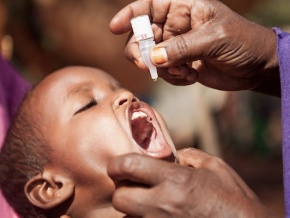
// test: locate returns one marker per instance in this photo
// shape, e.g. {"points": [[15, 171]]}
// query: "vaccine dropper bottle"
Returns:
{"points": [[144, 36]]}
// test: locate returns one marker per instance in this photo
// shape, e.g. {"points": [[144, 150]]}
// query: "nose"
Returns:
{"points": [[124, 97]]}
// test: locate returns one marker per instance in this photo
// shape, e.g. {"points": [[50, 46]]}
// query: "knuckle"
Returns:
{"points": [[180, 186], [188, 151], [184, 177], [129, 163], [129, 54], [117, 198], [133, 54], [214, 163], [180, 44]]}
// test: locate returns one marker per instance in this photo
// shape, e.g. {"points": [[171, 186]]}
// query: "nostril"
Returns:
{"points": [[123, 102]]}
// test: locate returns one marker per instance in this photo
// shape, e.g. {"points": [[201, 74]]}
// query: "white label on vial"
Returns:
{"points": [[142, 27]]}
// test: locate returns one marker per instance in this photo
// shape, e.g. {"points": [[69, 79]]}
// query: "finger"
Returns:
{"points": [[188, 47], [156, 10], [158, 32], [178, 82], [140, 169], [198, 159], [132, 201], [159, 10], [133, 54], [194, 158], [205, 40], [132, 50], [181, 75], [120, 23]]}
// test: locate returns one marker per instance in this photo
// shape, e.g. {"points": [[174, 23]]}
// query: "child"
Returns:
{"points": [[53, 162]]}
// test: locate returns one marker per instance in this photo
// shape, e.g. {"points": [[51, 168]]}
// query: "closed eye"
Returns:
{"points": [[87, 106]]}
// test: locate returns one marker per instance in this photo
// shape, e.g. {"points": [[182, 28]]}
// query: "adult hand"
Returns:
{"points": [[202, 186], [206, 37]]}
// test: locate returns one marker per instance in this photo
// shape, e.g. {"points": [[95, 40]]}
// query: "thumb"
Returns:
{"points": [[184, 48]]}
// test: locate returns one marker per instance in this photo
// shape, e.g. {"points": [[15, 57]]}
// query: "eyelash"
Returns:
{"points": [[87, 106]]}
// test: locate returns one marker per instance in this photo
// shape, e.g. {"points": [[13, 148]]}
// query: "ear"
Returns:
{"points": [[48, 190]]}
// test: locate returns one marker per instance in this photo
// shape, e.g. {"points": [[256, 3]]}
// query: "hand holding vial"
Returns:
{"points": [[196, 42]]}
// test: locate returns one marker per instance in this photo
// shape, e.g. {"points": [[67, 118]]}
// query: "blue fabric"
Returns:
{"points": [[283, 39]]}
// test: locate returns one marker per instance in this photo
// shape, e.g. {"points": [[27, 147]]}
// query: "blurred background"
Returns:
{"points": [[244, 128]]}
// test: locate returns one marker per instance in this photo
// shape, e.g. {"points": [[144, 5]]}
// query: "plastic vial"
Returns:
{"points": [[144, 36]]}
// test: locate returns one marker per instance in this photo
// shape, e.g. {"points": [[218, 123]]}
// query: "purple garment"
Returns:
{"points": [[12, 90], [284, 64]]}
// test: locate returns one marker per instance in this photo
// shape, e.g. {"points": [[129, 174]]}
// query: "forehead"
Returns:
{"points": [[73, 79], [52, 92]]}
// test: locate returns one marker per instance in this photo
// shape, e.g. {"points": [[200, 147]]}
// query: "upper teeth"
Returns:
{"points": [[138, 114]]}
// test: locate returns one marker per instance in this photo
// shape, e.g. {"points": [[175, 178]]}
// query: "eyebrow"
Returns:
{"points": [[79, 89]]}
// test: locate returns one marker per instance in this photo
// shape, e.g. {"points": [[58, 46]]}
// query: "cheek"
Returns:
{"points": [[99, 141], [92, 141]]}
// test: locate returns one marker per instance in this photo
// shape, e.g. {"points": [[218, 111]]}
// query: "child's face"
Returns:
{"points": [[88, 119]]}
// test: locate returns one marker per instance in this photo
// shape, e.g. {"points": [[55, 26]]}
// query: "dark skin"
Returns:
{"points": [[201, 186], [100, 120], [204, 42]]}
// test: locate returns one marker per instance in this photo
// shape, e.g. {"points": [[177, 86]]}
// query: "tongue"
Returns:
{"points": [[142, 131]]}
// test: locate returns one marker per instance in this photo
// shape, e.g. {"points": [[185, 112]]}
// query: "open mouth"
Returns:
{"points": [[142, 129], [147, 132]]}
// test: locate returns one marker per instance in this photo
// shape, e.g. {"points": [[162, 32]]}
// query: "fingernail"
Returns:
{"points": [[159, 55]]}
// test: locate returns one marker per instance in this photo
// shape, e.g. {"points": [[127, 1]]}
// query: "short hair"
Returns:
{"points": [[23, 155]]}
